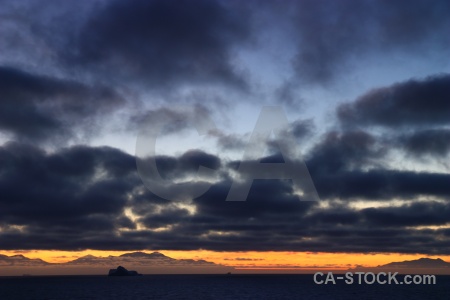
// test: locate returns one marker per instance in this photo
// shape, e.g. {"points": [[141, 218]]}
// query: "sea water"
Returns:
{"points": [[198, 287]]}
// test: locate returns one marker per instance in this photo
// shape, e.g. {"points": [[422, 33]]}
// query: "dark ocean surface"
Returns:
{"points": [[208, 287]]}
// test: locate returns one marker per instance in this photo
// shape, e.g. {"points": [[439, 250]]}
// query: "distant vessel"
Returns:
{"points": [[121, 271]]}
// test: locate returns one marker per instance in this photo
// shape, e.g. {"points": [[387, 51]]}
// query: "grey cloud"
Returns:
{"points": [[64, 191], [302, 128], [163, 42], [343, 151], [188, 163], [425, 213], [169, 119], [95, 185], [413, 103], [42, 108], [431, 142], [331, 34]]}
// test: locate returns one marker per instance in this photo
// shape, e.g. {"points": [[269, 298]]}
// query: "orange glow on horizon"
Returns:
{"points": [[248, 260]]}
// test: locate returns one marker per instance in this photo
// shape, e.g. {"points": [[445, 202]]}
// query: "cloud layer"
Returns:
{"points": [[378, 162]]}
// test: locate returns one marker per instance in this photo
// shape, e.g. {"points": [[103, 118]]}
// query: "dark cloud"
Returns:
{"points": [[37, 108], [32, 34], [163, 42], [336, 229], [187, 164], [333, 34], [343, 151], [302, 128], [414, 103], [415, 214], [347, 166], [380, 184], [352, 165], [76, 199], [432, 142], [78, 191], [287, 95]]}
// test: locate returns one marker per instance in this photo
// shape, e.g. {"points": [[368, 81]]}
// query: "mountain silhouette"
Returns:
{"points": [[418, 263], [146, 263], [20, 260], [422, 265]]}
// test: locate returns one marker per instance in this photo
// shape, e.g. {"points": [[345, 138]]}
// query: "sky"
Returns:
{"points": [[364, 86]]}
